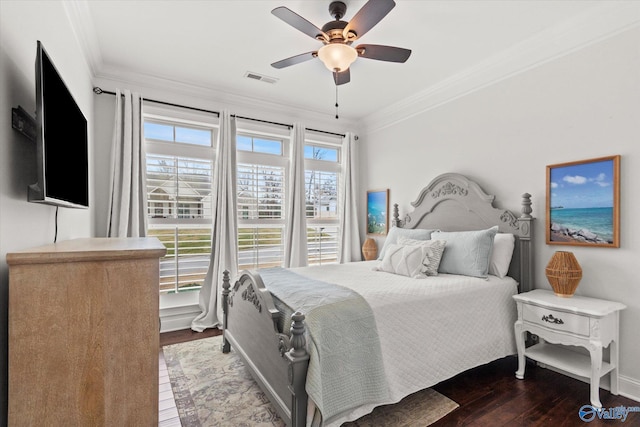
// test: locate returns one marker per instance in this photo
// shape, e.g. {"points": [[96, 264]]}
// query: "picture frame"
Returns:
{"points": [[378, 212], [583, 203]]}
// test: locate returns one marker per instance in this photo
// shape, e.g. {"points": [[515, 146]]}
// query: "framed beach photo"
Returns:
{"points": [[583, 203], [378, 211]]}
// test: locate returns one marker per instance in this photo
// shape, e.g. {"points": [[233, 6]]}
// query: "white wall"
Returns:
{"points": [[579, 106], [24, 224]]}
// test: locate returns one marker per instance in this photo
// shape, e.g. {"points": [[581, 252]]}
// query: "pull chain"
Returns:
{"points": [[336, 75], [337, 117]]}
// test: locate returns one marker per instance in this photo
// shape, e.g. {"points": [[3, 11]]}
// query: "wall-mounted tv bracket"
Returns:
{"points": [[24, 123]]}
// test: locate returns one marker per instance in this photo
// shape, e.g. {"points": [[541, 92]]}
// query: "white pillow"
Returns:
{"points": [[467, 252], [503, 245], [404, 260], [395, 233], [433, 254]]}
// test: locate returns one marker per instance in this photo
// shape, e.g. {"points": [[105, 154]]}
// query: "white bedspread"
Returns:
{"points": [[430, 329]]}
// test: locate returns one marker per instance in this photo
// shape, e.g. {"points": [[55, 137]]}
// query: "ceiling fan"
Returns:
{"points": [[337, 54]]}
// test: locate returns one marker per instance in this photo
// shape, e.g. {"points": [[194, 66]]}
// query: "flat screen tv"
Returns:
{"points": [[61, 141]]}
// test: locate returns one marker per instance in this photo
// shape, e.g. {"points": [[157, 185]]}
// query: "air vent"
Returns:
{"points": [[260, 77]]}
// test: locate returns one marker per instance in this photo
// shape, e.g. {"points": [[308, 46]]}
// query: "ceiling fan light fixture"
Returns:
{"points": [[337, 56]]}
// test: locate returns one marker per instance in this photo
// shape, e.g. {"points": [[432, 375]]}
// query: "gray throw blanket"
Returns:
{"points": [[345, 366]]}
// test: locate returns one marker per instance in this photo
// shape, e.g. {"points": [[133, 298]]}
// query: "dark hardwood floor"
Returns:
{"points": [[184, 335], [490, 395]]}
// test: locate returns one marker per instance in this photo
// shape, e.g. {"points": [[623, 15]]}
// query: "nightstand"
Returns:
{"points": [[577, 321]]}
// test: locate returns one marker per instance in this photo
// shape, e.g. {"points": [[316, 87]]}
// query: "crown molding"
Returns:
{"points": [[598, 23], [83, 29], [209, 96]]}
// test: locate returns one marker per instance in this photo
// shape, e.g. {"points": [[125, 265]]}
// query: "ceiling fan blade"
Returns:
{"points": [[367, 17], [299, 23], [383, 53], [294, 60], [342, 77]]}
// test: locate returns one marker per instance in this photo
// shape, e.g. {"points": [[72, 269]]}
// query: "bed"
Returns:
{"points": [[327, 344]]}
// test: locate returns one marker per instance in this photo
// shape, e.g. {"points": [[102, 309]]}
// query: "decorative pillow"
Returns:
{"points": [[432, 256], [395, 233], [503, 245], [404, 260], [467, 252]]}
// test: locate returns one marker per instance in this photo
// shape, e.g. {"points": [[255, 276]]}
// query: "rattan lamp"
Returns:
{"points": [[369, 249], [564, 273]]}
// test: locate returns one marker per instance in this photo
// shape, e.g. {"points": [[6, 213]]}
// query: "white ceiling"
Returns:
{"points": [[212, 44]]}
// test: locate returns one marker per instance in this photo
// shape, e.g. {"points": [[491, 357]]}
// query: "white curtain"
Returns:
{"points": [[349, 241], [128, 197], [224, 244], [295, 249]]}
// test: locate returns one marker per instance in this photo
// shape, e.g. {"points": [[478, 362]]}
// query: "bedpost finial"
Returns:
{"points": [[396, 216], [226, 302], [298, 341], [226, 284], [526, 206]]}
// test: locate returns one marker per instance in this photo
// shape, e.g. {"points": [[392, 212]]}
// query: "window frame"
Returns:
{"points": [[243, 157], [316, 225], [180, 117]]}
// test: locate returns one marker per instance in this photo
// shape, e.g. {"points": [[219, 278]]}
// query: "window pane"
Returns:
{"points": [[179, 187], [244, 143], [321, 193], [267, 146], [259, 247], [320, 153], [187, 260], [179, 134], [259, 145], [158, 131], [194, 136], [260, 191], [322, 244]]}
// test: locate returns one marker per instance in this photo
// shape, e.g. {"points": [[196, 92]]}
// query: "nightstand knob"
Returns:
{"points": [[551, 319]]}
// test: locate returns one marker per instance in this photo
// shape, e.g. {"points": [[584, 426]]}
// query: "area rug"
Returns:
{"points": [[215, 389]]}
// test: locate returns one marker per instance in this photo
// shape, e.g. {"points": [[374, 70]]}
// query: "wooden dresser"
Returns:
{"points": [[83, 333]]}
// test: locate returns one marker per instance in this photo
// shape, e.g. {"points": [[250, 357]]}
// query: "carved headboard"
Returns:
{"points": [[452, 202]]}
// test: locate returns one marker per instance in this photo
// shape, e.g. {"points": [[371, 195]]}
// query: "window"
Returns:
{"points": [[317, 152], [322, 175], [180, 161], [181, 150], [261, 182]]}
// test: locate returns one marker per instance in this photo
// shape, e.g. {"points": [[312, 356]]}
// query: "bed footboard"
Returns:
{"points": [[278, 362]]}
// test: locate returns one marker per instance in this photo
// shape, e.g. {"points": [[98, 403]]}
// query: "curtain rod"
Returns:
{"points": [[262, 121], [325, 131], [99, 91], [287, 125]]}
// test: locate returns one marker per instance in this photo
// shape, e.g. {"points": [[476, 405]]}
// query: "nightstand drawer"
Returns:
{"points": [[554, 319]]}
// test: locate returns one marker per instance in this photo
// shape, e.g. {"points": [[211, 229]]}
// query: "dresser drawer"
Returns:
{"points": [[558, 320]]}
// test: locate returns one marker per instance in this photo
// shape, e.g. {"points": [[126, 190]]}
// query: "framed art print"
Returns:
{"points": [[583, 203], [377, 211]]}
